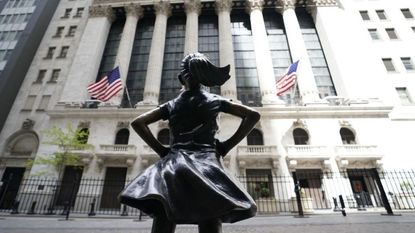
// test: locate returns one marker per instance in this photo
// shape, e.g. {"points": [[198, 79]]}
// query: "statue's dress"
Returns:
{"points": [[189, 184]]}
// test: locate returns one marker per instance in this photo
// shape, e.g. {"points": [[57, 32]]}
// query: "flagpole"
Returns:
{"points": [[125, 86]]}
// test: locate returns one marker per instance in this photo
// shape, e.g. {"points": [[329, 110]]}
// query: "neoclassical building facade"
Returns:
{"points": [[344, 115]]}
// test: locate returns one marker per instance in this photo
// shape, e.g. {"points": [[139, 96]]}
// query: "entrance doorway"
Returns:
{"points": [[113, 184], [70, 185], [12, 177], [311, 184], [365, 190]]}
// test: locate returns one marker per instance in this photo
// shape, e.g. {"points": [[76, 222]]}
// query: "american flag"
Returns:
{"points": [[106, 87], [288, 79]]}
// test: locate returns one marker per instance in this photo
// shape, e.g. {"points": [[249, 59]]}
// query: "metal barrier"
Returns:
{"points": [[316, 191]]}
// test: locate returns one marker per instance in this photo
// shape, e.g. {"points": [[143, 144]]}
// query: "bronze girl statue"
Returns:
{"points": [[188, 185]]}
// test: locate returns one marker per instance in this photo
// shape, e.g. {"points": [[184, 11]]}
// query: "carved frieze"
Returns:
{"points": [[192, 6], [318, 3], [28, 124], [102, 11], [84, 124], [123, 124]]}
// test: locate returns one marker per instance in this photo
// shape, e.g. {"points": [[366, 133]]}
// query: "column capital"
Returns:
{"points": [[252, 5], [163, 7], [101, 11], [134, 9], [223, 5], [283, 5], [193, 6]]}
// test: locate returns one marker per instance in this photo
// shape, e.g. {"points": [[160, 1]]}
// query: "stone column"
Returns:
{"points": [[193, 8], [306, 82], [263, 57], [85, 67], [133, 12], [226, 56], [155, 59]]}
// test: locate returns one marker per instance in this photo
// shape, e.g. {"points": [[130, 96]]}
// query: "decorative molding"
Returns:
{"points": [[321, 3], [84, 124], [300, 124], [123, 124], [163, 7], [252, 5], [192, 6], [223, 5], [102, 11], [28, 124], [344, 123], [134, 10], [283, 5]]}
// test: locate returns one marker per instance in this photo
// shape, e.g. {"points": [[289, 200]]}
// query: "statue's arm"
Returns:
{"points": [[140, 125], [249, 118]]}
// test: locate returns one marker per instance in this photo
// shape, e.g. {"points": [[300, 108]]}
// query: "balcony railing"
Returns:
{"points": [[257, 150], [125, 149], [307, 150], [356, 150]]}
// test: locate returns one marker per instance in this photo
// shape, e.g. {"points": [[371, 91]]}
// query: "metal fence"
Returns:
{"points": [[305, 191]]}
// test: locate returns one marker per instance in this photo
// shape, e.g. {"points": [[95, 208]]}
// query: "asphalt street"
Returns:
{"points": [[333, 223]]}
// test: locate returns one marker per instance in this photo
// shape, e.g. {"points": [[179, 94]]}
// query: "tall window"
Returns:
{"points": [[164, 136], [55, 75], [40, 76], [138, 63], [29, 103], [71, 31], [404, 96], [64, 52], [51, 51], [278, 45], [381, 14], [84, 135], [111, 47], [316, 54], [259, 183], [388, 64], [407, 62], [347, 136], [122, 137], [364, 15], [67, 13], [245, 62], [255, 138], [173, 54], [59, 32], [300, 136], [44, 102], [209, 40], [407, 13], [374, 33]]}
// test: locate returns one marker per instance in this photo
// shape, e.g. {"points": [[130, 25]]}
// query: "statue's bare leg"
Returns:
{"points": [[161, 224]]}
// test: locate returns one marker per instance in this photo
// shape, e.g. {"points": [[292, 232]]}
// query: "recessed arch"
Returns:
{"points": [[122, 137], [347, 136], [255, 137], [300, 136], [22, 143]]}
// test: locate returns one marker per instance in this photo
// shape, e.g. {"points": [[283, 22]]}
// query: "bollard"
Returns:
{"points": [[92, 208], [336, 205], [140, 217], [32, 208], [124, 211], [342, 205], [15, 207]]}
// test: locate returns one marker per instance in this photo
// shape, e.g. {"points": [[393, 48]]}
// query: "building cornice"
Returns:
{"points": [[269, 112]]}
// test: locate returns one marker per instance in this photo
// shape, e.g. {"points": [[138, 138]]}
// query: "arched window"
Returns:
{"points": [[122, 136], [255, 138], [164, 136], [23, 145], [83, 135], [300, 136], [347, 136]]}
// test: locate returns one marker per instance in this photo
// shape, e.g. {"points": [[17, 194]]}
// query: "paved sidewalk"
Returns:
{"points": [[333, 223]]}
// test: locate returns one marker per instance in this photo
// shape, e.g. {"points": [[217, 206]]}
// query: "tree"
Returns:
{"points": [[67, 140]]}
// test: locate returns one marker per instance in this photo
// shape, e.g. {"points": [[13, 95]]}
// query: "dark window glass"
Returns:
{"points": [[381, 14], [391, 33], [245, 64], [300, 136], [40, 76], [137, 70], [407, 62], [407, 13], [315, 52], [255, 138], [209, 40], [83, 137], [388, 64], [404, 96], [364, 15], [122, 137], [111, 47], [374, 34], [55, 75], [173, 54], [347, 136], [50, 53]]}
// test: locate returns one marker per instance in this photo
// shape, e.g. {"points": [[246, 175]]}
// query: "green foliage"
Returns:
{"points": [[67, 140]]}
